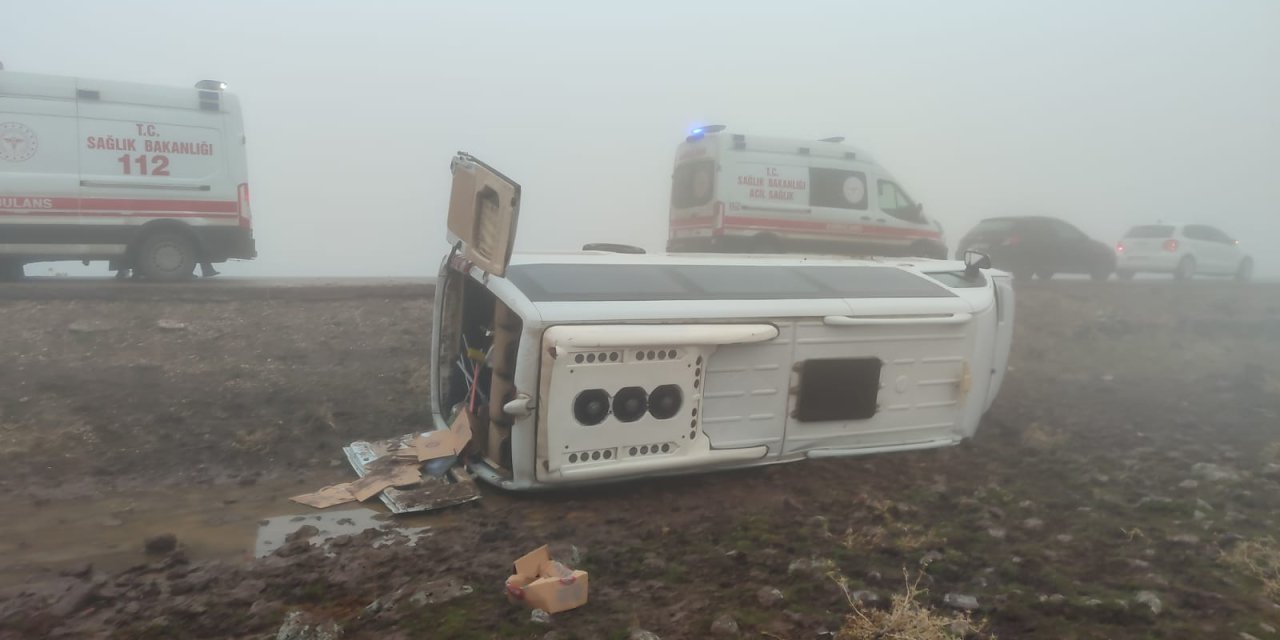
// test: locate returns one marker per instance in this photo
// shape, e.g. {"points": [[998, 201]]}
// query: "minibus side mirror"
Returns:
{"points": [[975, 261]]}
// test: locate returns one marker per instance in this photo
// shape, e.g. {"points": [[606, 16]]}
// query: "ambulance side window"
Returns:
{"points": [[837, 188], [894, 201]]}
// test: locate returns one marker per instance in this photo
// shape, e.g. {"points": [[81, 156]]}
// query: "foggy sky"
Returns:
{"points": [[1106, 114]]}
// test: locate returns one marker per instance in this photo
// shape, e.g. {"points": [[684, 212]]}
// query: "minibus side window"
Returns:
{"points": [[895, 202]]}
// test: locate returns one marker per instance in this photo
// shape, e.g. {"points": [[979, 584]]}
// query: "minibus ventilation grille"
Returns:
{"points": [[591, 456]]}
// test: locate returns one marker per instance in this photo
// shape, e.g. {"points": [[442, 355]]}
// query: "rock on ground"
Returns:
{"points": [[1150, 599], [295, 627], [768, 597], [724, 626], [960, 601], [163, 543]]}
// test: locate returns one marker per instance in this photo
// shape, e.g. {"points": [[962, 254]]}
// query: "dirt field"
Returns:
{"points": [[1132, 449]]}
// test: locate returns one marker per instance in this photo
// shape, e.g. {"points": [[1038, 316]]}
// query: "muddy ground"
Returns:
{"points": [[1134, 441]]}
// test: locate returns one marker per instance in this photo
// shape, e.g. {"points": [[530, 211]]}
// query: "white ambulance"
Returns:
{"points": [[734, 192], [150, 178]]}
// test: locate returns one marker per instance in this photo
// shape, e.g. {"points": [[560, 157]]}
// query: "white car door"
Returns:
{"points": [[1202, 248], [1228, 254]]}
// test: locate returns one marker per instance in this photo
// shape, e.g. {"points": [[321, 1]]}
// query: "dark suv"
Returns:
{"points": [[1041, 246]]}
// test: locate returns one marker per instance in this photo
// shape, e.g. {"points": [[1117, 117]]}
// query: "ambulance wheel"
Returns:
{"points": [[165, 256], [11, 270]]}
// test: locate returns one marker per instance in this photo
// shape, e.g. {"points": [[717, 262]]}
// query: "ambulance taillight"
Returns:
{"points": [[246, 213]]}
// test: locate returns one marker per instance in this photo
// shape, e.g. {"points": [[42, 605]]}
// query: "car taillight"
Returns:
{"points": [[1119, 247], [1013, 240], [1171, 244], [242, 198]]}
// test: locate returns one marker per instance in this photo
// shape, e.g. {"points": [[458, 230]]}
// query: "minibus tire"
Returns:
{"points": [[11, 270], [165, 256]]}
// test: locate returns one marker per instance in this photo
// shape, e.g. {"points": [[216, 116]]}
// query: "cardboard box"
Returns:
{"points": [[542, 583]]}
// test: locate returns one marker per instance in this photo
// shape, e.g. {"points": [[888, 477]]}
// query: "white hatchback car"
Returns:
{"points": [[1184, 250]]}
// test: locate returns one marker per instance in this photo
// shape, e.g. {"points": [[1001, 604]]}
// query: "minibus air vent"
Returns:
{"points": [[87, 94]]}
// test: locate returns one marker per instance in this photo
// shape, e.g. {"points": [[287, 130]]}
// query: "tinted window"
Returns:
{"points": [[691, 184], [894, 201], [1196, 232], [1150, 231], [729, 282], [615, 282], [1066, 231], [996, 225], [1217, 235], [837, 188]]}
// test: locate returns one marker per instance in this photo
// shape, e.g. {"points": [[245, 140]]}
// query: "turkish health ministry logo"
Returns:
{"points": [[17, 142]]}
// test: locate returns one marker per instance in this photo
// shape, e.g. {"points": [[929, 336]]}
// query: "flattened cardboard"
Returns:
{"points": [[442, 443], [436, 490], [393, 476], [542, 583], [334, 494]]}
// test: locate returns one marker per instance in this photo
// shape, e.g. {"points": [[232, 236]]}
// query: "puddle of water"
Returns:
{"points": [[107, 527], [331, 524]]}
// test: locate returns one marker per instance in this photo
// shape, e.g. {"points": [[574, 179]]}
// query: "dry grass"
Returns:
{"points": [[1260, 559], [905, 619]]}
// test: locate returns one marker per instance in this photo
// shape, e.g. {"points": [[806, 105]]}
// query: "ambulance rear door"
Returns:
{"points": [[39, 181]]}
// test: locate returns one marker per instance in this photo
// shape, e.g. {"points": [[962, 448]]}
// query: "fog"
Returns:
{"points": [[1102, 113]]}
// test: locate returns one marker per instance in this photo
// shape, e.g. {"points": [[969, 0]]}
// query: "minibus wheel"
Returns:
{"points": [[11, 270]]}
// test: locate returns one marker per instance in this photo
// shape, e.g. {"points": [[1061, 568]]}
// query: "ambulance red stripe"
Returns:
{"points": [[119, 207]]}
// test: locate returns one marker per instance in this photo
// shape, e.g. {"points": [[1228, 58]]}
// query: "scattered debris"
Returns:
{"points": [[539, 616], [171, 325], [415, 472], [543, 583], [332, 495]]}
